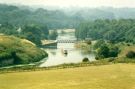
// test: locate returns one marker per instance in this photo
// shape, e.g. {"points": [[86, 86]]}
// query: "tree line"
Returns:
{"points": [[33, 32], [20, 16], [111, 30]]}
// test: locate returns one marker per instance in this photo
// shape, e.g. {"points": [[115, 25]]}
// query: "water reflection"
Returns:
{"points": [[74, 56]]}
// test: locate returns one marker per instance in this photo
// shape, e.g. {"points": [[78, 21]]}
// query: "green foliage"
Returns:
{"points": [[18, 51], [103, 51], [98, 44], [106, 50], [53, 35], [85, 60], [32, 32], [8, 29], [113, 52], [110, 30], [20, 16], [130, 54], [88, 42]]}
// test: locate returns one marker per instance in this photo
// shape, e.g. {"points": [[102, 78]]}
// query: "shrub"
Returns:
{"points": [[113, 52], [130, 54], [98, 44], [111, 59], [89, 42], [103, 51], [85, 59], [106, 51], [128, 44], [97, 57]]}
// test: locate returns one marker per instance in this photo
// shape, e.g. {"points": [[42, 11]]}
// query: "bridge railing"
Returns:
{"points": [[66, 41]]}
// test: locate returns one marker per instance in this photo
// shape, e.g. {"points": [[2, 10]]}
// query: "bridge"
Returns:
{"points": [[53, 43], [50, 42], [66, 41]]}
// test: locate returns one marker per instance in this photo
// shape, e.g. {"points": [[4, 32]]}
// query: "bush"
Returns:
{"points": [[130, 54], [128, 44], [89, 42], [111, 59], [106, 51], [98, 44], [97, 57], [114, 52], [103, 51], [85, 60]]}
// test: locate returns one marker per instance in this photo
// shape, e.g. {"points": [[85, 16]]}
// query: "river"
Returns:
{"points": [[56, 56]]}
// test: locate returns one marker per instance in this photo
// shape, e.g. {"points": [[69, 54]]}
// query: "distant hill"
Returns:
{"points": [[60, 18], [19, 16], [102, 13]]}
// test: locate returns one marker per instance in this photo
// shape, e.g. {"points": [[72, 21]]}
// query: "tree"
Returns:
{"points": [[113, 52], [53, 35], [32, 33], [8, 29], [35, 33], [130, 54], [111, 30], [99, 43], [107, 50], [111, 36], [44, 32], [103, 51]]}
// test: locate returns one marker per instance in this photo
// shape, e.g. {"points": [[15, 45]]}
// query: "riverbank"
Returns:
{"points": [[27, 68], [30, 68], [115, 76]]}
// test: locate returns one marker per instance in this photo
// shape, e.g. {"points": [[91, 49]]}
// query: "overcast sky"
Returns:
{"points": [[79, 3]]}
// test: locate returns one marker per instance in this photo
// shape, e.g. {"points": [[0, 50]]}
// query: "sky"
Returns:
{"points": [[74, 3]]}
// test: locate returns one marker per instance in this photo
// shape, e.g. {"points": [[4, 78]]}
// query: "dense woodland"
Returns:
{"points": [[20, 16], [59, 18], [32, 32], [111, 30]]}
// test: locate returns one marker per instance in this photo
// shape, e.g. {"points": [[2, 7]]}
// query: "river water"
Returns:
{"points": [[56, 56]]}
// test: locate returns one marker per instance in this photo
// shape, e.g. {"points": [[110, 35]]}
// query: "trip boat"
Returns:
{"points": [[65, 52]]}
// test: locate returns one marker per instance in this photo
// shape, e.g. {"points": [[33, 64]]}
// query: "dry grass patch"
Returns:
{"points": [[116, 76], [126, 49]]}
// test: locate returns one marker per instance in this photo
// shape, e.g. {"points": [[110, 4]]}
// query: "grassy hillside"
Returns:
{"points": [[18, 51], [116, 76], [125, 49]]}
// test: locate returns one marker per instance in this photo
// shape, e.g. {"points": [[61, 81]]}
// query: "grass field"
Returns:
{"points": [[115, 76]]}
